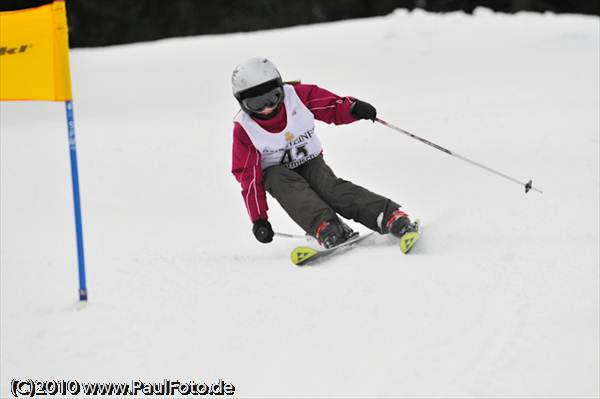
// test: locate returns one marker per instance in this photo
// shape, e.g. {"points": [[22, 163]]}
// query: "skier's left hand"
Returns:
{"points": [[363, 110]]}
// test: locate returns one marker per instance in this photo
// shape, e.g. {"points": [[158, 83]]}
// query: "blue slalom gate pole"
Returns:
{"points": [[76, 200]]}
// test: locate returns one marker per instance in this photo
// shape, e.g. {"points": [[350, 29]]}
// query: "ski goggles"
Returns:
{"points": [[270, 99]]}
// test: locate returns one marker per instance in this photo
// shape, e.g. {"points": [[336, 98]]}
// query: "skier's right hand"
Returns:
{"points": [[263, 231]]}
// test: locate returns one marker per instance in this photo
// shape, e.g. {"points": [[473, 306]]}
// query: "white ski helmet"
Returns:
{"points": [[254, 73]]}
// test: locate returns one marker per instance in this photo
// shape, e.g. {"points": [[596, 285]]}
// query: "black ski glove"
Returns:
{"points": [[363, 110], [263, 231]]}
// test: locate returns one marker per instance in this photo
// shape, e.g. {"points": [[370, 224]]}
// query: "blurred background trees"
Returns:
{"points": [[102, 22]]}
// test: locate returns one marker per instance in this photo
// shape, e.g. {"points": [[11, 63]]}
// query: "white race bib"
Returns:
{"points": [[294, 145]]}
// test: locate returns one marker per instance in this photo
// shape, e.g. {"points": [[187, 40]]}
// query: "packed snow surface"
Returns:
{"points": [[499, 298]]}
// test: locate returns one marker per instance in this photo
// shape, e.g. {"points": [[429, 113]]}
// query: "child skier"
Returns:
{"points": [[276, 149]]}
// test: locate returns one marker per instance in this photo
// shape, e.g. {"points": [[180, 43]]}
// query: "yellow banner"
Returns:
{"points": [[34, 54]]}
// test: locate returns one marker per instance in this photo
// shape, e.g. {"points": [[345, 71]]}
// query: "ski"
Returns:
{"points": [[305, 255], [409, 239]]}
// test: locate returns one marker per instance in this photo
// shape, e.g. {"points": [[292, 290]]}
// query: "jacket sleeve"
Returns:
{"points": [[325, 105], [248, 172]]}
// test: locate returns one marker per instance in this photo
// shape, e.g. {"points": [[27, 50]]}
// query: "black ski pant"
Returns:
{"points": [[312, 194]]}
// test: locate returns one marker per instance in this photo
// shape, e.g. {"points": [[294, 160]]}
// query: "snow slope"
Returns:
{"points": [[500, 298]]}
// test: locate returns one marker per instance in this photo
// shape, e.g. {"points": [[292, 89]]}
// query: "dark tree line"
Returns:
{"points": [[106, 22]]}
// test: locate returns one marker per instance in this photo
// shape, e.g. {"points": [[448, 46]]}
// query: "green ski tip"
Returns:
{"points": [[408, 240], [302, 254]]}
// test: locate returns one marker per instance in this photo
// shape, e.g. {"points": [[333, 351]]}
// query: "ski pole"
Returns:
{"points": [[295, 236], [528, 186]]}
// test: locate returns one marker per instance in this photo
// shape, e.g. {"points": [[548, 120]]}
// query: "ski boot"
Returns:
{"points": [[334, 232], [400, 226]]}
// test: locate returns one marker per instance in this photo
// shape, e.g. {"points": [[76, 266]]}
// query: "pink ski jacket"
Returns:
{"points": [[325, 106]]}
